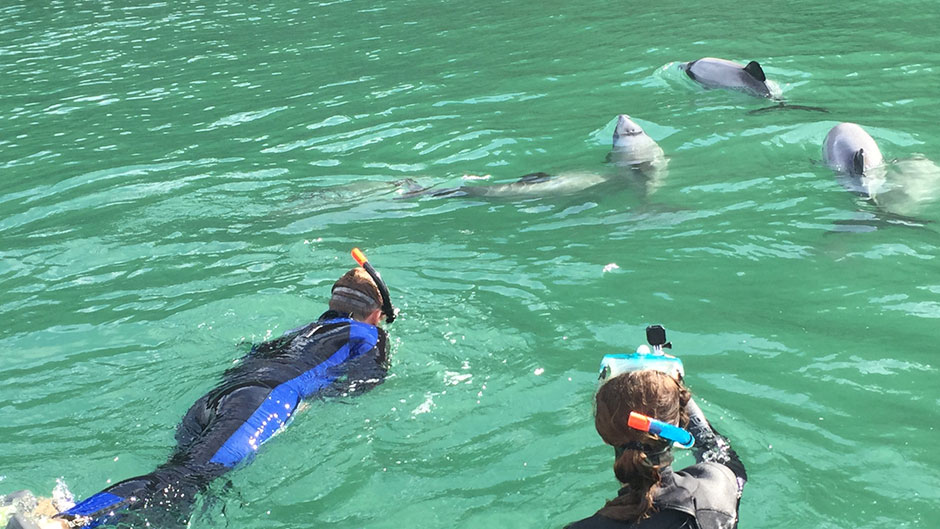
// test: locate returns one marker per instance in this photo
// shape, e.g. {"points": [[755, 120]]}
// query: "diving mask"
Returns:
{"points": [[644, 358]]}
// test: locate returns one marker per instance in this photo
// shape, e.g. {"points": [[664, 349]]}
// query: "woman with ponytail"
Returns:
{"points": [[652, 495]]}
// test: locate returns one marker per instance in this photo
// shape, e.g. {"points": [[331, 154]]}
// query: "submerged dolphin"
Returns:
{"points": [[912, 184], [530, 185], [720, 73], [631, 148], [849, 150]]}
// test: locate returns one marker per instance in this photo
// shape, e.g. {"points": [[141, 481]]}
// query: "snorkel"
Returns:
{"points": [[387, 308], [669, 432]]}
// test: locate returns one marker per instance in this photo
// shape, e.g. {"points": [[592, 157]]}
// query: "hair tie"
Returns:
{"points": [[655, 456], [649, 450]]}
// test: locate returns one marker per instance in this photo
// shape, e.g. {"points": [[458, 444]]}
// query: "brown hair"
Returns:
{"points": [[356, 294], [638, 467]]}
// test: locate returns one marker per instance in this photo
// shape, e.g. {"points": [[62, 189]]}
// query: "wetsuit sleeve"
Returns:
{"points": [[368, 370], [711, 446], [168, 493]]}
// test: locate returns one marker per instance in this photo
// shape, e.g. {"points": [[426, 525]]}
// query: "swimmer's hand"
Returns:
{"points": [[53, 523], [27, 521], [30, 512]]}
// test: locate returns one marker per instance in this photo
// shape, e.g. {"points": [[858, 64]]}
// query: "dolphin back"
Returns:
{"points": [[721, 73], [849, 149]]}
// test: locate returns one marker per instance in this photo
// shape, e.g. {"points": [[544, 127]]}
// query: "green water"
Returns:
{"points": [[180, 179]]}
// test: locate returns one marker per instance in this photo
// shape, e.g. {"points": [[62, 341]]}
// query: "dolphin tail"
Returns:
{"points": [[754, 69], [896, 219], [881, 220], [784, 106]]}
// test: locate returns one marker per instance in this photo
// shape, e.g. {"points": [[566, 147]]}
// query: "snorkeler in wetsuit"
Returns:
{"points": [[343, 352]]}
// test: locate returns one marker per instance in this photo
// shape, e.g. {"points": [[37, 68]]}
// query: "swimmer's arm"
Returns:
{"points": [[363, 379], [370, 369], [712, 446]]}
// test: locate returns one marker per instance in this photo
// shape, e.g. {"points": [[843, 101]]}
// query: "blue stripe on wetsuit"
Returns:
{"points": [[278, 408], [95, 504]]}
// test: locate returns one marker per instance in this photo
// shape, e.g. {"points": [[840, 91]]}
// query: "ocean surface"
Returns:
{"points": [[179, 180]]}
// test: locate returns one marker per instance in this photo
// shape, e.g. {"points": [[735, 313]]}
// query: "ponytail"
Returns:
{"points": [[639, 472], [640, 457]]}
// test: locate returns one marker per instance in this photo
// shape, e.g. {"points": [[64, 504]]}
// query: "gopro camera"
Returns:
{"points": [[656, 336]]}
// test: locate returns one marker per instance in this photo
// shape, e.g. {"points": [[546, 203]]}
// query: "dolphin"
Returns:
{"points": [[530, 185], [721, 73], [899, 188], [634, 150], [631, 149], [850, 151], [750, 79], [632, 146]]}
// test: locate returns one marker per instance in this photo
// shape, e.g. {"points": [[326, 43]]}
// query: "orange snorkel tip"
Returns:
{"points": [[639, 422], [359, 256]]}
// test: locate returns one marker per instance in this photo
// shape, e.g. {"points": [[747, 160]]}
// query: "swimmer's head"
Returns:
{"points": [[640, 455], [356, 293], [650, 392]]}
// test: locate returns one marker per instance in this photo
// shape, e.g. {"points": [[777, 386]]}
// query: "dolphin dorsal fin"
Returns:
{"points": [[858, 162], [756, 71]]}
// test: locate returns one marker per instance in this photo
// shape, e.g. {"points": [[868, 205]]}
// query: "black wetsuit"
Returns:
{"points": [[703, 496], [334, 355]]}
